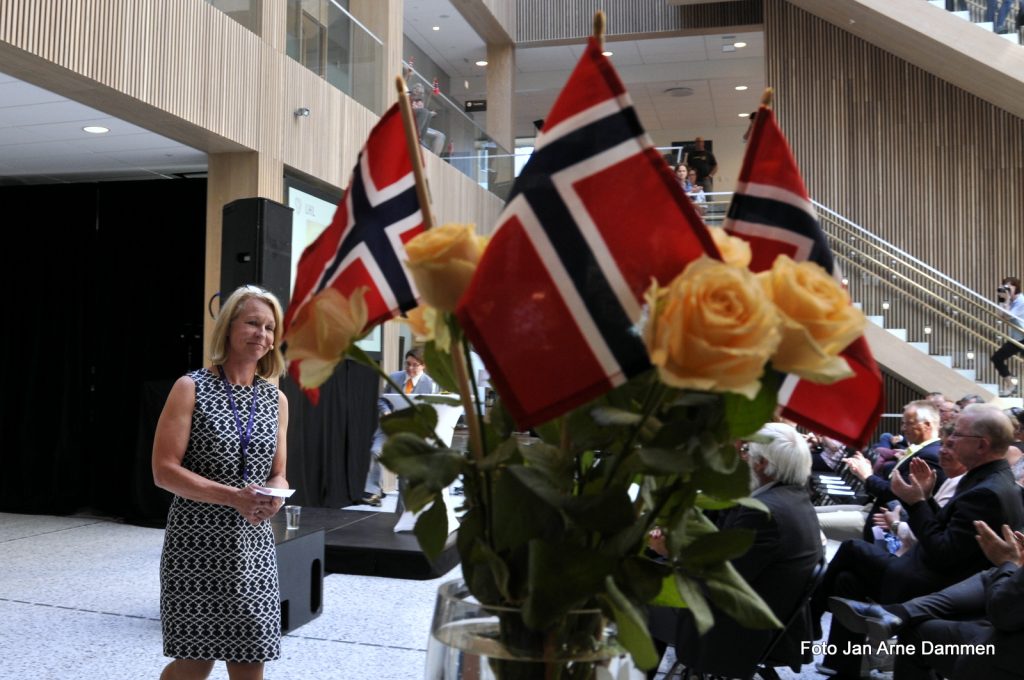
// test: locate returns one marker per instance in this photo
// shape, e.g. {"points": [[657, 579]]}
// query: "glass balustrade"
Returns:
{"points": [[446, 131], [325, 38]]}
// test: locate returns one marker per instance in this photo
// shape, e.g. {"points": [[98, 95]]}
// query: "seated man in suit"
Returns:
{"points": [[946, 551], [984, 613], [786, 548], [920, 427], [413, 380]]}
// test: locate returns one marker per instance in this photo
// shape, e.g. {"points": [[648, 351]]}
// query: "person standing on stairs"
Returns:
{"points": [[1012, 302]]}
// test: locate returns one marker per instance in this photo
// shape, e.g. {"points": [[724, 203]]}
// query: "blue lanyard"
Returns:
{"points": [[243, 438]]}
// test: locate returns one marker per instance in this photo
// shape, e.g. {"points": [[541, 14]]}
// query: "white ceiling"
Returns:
{"points": [[42, 142], [41, 137]]}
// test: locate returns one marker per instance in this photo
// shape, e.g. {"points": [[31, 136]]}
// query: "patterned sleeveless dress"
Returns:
{"points": [[219, 596]]}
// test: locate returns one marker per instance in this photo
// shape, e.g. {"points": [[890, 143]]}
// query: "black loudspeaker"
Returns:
{"points": [[256, 246]]}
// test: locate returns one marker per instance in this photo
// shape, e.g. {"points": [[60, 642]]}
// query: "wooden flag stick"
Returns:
{"points": [[412, 142], [767, 97], [599, 28]]}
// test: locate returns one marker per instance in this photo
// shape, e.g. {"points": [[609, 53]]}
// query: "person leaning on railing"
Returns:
{"points": [[1012, 302]]}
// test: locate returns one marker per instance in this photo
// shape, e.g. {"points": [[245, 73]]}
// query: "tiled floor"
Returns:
{"points": [[79, 598]]}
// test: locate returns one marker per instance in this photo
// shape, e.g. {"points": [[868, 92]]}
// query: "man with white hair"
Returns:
{"points": [[786, 548]]}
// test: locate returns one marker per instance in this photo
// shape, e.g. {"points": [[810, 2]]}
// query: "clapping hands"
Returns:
{"points": [[1000, 551], [922, 481]]}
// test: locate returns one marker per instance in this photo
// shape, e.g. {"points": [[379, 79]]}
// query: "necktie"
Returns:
{"points": [[408, 386]]}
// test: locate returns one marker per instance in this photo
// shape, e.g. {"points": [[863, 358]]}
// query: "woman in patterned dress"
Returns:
{"points": [[220, 438]]}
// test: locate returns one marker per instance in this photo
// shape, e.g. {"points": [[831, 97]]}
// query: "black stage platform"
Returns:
{"points": [[363, 542]]}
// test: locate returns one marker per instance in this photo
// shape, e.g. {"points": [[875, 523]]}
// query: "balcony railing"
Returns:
{"points": [[1005, 17]]}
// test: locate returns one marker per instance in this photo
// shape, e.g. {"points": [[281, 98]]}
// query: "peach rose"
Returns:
{"points": [[442, 261], [734, 250], [322, 331], [713, 328], [818, 321], [428, 325]]}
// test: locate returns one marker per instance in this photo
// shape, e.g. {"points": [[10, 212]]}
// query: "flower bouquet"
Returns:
{"points": [[557, 522]]}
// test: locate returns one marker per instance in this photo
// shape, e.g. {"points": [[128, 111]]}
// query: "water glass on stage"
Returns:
{"points": [[291, 516]]}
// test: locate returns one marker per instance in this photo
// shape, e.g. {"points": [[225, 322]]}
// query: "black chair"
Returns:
{"points": [[765, 666]]}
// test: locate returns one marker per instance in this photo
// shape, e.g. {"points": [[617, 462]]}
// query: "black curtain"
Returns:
{"points": [[329, 444], [110, 314], [47, 279], [114, 298]]}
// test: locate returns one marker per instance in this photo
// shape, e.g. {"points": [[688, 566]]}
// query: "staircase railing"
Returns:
{"points": [[1000, 16], [887, 281]]}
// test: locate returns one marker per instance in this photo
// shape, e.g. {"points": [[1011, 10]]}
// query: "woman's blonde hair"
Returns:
{"points": [[271, 366]]}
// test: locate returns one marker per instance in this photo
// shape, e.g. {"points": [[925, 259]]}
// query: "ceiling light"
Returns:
{"points": [[679, 91], [740, 44], [96, 129], [436, 28], [741, 88], [607, 53], [482, 62], [744, 115]]}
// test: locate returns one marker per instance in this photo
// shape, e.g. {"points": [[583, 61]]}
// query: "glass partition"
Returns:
{"points": [[446, 131], [245, 12], [325, 38]]}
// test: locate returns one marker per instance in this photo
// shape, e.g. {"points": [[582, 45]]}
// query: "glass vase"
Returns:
{"points": [[469, 640]]}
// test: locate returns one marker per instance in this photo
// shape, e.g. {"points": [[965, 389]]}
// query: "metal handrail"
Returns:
{"points": [[966, 313]]}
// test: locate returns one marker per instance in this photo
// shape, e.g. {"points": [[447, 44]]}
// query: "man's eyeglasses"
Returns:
{"points": [[961, 435]]}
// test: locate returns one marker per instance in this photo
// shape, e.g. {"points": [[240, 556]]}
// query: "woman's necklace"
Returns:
{"points": [[243, 437]]}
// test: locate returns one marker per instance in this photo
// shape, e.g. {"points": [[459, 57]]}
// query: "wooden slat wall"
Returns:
{"points": [[572, 20], [925, 165], [186, 70]]}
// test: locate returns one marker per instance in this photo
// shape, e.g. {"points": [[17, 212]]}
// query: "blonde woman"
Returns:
{"points": [[219, 440]]}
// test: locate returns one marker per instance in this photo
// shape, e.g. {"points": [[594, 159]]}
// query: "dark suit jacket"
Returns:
{"points": [[787, 546], [880, 487], [947, 550], [1004, 606]]}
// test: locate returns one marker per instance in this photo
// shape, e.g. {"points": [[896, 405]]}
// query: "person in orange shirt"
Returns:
{"points": [[413, 380]]}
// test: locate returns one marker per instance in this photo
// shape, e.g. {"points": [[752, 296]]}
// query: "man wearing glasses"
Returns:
{"points": [[947, 550]]}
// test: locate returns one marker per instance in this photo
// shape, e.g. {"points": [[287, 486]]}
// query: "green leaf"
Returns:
{"points": [[745, 416], [607, 416], [632, 626], [416, 496], [499, 570], [506, 452], [432, 528], [439, 365], [419, 420], [705, 502], [416, 460], [551, 431], [553, 462], [720, 456], [608, 512], [668, 461], [642, 577], [689, 591], [735, 597], [735, 484], [717, 547], [562, 576], [753, 504], [519, 515], [501, 420]]}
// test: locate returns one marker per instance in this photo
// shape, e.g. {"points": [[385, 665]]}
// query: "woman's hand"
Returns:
{"points": [[254, 506]]}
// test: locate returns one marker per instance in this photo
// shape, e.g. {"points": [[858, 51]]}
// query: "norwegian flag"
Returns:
{"points": [[365, 242], [771, 209], [592, 217]]}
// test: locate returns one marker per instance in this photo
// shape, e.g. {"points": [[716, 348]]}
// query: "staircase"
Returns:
{"points": [[977, 10], [929, 331]]}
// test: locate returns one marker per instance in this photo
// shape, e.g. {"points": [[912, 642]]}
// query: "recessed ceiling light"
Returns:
{"points": [[96, 129], [436, 28], [741, 88], [740, 44], [744, 115], [482, 62], [607, 53]]}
